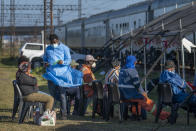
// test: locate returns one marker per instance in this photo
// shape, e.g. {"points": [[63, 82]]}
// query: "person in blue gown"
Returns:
{"points": [[59, 73]]}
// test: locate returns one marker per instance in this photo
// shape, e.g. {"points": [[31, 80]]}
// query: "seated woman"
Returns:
{"points": [[28, 85]]}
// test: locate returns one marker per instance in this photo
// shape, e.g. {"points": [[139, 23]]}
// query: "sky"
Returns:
{"points": [[89, 7]]}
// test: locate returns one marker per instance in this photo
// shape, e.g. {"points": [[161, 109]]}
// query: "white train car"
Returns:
{"points": [[61, 32], [130, 18], [94, 31], [74, 34]]}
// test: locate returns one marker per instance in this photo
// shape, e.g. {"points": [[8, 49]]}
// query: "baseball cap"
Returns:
{"points": [[90, 58]]}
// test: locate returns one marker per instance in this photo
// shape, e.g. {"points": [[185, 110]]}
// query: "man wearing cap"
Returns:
{"points": [[88, 78], [178, 85]]}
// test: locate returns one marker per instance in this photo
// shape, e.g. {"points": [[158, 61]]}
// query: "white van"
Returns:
{"points": [[35, 52]]}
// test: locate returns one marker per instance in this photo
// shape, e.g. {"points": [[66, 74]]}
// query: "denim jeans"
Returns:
{"points": [[73, 92], [59, 93], [86, 103], [63, 100], [52, 91]]}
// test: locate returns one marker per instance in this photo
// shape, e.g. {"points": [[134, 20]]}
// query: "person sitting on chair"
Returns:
{"points": [[113, 74], [28, 85], [178, 85], [131, 90]]}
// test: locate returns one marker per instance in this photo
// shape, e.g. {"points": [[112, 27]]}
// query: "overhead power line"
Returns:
{"points": [[40, 7]]}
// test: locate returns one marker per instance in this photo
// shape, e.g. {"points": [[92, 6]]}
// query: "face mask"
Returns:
{"points": [[172, 71], [55, 45], [94, 65]]}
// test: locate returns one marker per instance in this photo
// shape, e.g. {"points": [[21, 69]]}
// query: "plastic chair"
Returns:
{"points": [[23, 106], [81, 101], [112, 97], [97, 98], [165, 95], [71, 97], [188, 107], [18, 101]]}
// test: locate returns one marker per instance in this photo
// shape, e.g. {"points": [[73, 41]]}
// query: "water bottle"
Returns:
{"points": [[36, 116]]}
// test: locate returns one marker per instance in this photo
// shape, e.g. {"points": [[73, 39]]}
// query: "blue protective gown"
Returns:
{"points": [[178, 86], [129, 82], [61, 75]]}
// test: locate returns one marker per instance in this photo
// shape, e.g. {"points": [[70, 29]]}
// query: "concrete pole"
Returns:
{"points": [[146, 42], [194, 41], [182, 52]]}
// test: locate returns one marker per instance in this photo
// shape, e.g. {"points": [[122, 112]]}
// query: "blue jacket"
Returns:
{"points": [[62, 75], [177, 83], [129, 81]]}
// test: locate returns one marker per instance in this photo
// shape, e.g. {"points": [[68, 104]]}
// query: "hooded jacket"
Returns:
{"points": [[129, 82], [177, 83]]}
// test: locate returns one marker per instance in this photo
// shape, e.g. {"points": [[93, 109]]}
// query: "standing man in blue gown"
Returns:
{"points": [[59, 73]]}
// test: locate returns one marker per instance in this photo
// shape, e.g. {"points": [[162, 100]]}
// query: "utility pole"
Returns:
{"points": [[51, 17], [48, 18], [59, 13], [79, 8], [2, 25], [12, 25]]}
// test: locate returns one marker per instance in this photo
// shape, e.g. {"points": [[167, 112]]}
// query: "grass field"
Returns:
{"points": [[7, 74]]}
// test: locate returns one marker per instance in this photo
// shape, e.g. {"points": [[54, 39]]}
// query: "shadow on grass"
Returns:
{"points": [[9, 61], [5, 118], [6, 110], [98, 124]]}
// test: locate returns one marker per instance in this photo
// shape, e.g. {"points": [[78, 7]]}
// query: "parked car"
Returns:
{"points": [[35, 52], [77, 57]]}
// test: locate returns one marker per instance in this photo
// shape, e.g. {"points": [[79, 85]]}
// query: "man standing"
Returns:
{"points": [[88, 78], [59, 74]]}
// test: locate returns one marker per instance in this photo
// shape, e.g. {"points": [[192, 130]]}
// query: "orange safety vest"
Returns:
{"points": [[88, 77]]}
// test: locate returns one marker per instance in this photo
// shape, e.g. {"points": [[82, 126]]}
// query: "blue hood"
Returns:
{"points": [[130, 62]]}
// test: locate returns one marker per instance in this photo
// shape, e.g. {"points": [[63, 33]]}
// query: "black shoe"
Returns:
{"points": [[63, 118], [133, 117], [172, 118]]}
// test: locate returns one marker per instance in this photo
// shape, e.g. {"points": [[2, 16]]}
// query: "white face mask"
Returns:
{"points": [[94, 65], [172, 71], [55, 45]]}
